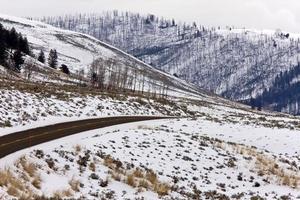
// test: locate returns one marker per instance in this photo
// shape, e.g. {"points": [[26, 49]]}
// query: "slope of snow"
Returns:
{"points": [[236, 63], [78, 51]]}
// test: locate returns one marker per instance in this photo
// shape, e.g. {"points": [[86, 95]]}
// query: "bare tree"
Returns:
{"points": [[29, 68], [80, 76]]}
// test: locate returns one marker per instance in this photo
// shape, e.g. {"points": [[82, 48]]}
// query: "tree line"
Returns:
{"points": [[283, 95], [107, 75]]}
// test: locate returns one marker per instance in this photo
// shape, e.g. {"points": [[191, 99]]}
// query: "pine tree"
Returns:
{"points": [[65, 69], [12, 39], [23, 45], [3, 53], [18, 60], [41, 57], [52, 59]]}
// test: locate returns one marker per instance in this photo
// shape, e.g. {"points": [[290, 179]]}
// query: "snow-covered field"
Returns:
{"points": [[193, 158], [222, 150], [23, 110]]}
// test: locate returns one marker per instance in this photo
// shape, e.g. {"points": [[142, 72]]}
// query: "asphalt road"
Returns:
{"points": [[24, 139]]}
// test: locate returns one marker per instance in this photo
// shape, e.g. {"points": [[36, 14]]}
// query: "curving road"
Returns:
{"points": [[21, 140]]}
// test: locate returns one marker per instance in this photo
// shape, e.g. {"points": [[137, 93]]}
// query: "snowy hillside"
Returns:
{"points": [[235, 63], [78, 51]]}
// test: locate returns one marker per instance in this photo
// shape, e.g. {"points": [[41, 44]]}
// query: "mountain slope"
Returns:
{"points": [[78, 51], [235, 63], [284, 94]]}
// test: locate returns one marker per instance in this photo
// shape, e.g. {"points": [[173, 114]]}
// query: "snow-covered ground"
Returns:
{"points": [[23, 110], [222, 150], [196, 158]]}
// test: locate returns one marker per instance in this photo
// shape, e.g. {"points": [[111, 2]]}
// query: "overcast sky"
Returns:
{"points": [[260, 14]]}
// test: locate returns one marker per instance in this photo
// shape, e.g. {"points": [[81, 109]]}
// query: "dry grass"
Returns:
{"points": [[61, 194], [268, 166], [152, 177], [37, 182], [92, 166], [130, 180], [75, 184], [31, 169], [136, 177], [162, 189], [144, 183], [109, 162], [28, 167], [14, 185], [116, 176], [13, 191], [138, 173], [77, 148]]}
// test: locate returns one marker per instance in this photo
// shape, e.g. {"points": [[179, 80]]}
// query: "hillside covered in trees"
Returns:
{"points": [[235, 63], [284, 94]]}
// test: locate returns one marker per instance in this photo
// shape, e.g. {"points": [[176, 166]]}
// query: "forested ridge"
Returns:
{"points": [[235, 63]]}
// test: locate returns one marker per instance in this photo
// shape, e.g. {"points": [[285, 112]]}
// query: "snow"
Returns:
{"points": [[171, 148], [78, 51], [232, 62], [184, 148], [218, 145]]}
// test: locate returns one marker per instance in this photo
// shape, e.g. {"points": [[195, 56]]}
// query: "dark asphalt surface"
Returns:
{"points": [[24, 139]]}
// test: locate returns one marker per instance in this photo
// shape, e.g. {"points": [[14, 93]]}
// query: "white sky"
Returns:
{"points": [[260, 14]]}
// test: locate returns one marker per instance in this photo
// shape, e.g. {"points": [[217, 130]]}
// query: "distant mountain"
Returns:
{"points": [[235, 63]]}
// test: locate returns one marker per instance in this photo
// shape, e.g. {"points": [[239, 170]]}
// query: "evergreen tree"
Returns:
{"points": [[65, 69], [23, 45], [41, 57], [3, 53], [18, 60], [52, 59], [12, 39]]}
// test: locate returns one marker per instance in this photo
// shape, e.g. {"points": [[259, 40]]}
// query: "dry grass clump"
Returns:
{"points": [[77, 148], [162, 189], [144, 183], [131, 180], [37, 182], [138, 173], [152, 177], [13, 191], [61, 194], [116, 176], [32, 171], [92, 166], [136, 177], [28, 167], [13, 184], [109, 162], [75, 184]]}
